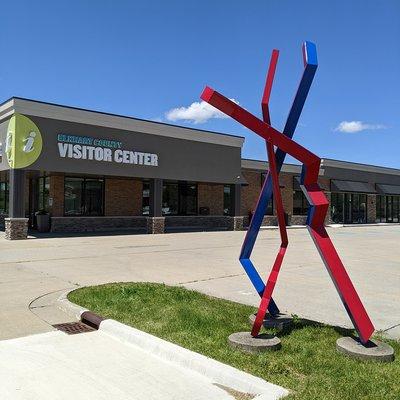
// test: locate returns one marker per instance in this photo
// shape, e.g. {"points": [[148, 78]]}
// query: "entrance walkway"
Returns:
{"points": [[31, 269], [55, 366]]}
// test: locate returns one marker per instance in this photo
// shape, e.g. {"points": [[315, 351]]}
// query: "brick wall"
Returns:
{"points": [[98, 224], [250, 193], [328, 217], [123, 197], [212, 196], [57, 194], [286, 184]]}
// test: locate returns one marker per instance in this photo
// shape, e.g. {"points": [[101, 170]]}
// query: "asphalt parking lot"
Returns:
{"points": [[33, 273]]}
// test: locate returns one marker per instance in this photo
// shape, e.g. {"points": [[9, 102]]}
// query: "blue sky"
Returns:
{"points": [[145, 58]]}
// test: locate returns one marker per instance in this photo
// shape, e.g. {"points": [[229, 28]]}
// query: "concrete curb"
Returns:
{"points": [[70, 308], [214, 370]]}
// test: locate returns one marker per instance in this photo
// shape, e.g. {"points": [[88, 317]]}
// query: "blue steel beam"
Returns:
{"points": [[310, 67]]}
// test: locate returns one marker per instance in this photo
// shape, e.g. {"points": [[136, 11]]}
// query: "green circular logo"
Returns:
{"points": [[24, 142]]}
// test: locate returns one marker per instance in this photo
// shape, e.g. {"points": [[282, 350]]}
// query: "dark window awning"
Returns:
{"points": [[352, 186], [387, 189]]}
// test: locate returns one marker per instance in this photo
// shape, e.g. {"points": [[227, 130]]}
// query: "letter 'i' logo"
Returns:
{"points": [[23, 143]]}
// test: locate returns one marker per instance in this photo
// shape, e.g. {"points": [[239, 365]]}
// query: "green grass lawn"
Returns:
{"points": [[308, 363]]}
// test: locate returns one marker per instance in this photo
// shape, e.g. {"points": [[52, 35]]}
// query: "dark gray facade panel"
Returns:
{"points": [[17, 193], [351, 186], [177, 159], [387, 189], [361, 176]]}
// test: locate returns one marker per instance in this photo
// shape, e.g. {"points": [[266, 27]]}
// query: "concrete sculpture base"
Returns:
{"points": [[374, 350], [281, 321], [249, 344]]}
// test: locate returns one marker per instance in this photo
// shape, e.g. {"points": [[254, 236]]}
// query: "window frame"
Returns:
{"points": [[180, 185], [84, 179], [6, 197], [381, 210], [41, 194]]}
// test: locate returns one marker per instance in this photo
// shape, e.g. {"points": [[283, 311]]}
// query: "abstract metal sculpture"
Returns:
{"points": [[309, 184]]}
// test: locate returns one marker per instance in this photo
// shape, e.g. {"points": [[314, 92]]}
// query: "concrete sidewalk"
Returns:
{"points": [[118, 362], [33, 273], [52, 365], [56, 366]]}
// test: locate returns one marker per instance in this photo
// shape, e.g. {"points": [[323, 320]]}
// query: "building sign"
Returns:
{"points": [[52, 145], [88, 148], [23, 142]]}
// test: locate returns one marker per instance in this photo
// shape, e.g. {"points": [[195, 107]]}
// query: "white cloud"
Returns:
{"points": [[357, 126], [197, 112]]}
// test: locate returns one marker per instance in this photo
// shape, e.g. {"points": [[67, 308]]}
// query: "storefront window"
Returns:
{"points": [[44, 191], [93, 197], [170, 199], [300, 203], [359, 208], [179, 198], [3, 198], [349, 208], [337, 200], [396, 208], [187, 198], [84, 196], [270, 207], [381, 208], [387, 208]]}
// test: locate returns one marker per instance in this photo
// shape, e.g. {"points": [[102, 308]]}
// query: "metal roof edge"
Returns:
{"points": [[6, 109], [327, 162], [91, 117], [263, 166]]}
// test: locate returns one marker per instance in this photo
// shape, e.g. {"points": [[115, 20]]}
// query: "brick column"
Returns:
{"points": [[155, 221], [328, 218], [16, 226], [235, 223], [56, 193], [155, 225], [235, 220]]}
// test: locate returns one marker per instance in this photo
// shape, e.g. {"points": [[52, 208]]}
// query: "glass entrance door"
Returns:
{"points": [[349, 208], [396, 208], [387, 208]]}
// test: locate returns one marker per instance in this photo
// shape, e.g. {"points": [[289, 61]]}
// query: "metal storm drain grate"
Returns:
{"points": [[73, 328]]}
